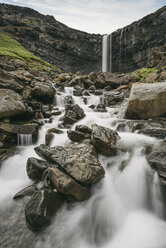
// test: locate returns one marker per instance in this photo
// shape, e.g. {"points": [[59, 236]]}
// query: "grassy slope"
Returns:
{"points": [[13, 49]]}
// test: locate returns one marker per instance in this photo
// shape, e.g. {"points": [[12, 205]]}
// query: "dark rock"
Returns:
{"points": [[31, 128], [92, 106], [40, 209], [35, 169], [78, 160], [68, 186], [114, 97], [77, 93], [86, 93], [101, 108], [76, 136], [157, 158], [48, 138], [28, 191], [83, 129], [100, 81], [92, 76], [73, 113], [69, 100], [55, 130], [105, 140]]}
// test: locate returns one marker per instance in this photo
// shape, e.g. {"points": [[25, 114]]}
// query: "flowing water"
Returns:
{"points": [[126, 208]]}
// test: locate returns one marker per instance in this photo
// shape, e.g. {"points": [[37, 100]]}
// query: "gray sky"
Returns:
{"points": [[94, 16]]}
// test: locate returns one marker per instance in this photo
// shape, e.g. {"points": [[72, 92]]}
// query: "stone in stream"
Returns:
{"points": [[25, 192], [104, 140], [83, 129], [76, 136], [48, 138], [73, 114], [67, 185], [146, 101], [35, 168], [11, 104], [101, 108], [42, 206], [77, 160]]}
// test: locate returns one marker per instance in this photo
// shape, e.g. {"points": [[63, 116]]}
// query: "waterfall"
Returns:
{"points": [[24, 139], [117, 215], [107, 53]]}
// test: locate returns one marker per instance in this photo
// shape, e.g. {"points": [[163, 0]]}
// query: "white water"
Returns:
{"points": [[107, 53], [24, 139], [126, 207]]}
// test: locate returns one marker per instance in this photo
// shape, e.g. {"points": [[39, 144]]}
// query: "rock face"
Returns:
{"points": [[147, 101], [70, 49], [104, 140], [11, 104], [78, 160], [140, 44]]}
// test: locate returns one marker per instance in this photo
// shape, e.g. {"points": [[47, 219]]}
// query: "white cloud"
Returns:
{"points": [[95, 16]]}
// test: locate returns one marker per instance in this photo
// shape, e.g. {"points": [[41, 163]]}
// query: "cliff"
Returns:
{"points": [[70, 49], [141, 44]]}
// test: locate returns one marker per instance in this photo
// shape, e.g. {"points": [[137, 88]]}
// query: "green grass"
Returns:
{"points": [[11, 48], [144, 72]]}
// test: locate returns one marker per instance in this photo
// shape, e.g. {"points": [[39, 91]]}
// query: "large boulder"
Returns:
{"points": [[68, 186], [42, 207], [78, 160], [43, 92], [76, 136], [104, 140], [73, 114], [11, 104], [147, 101]]}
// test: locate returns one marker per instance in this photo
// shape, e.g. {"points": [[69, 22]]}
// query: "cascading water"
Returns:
{"points": [[125, 209], [24, 139], [107, 53]]}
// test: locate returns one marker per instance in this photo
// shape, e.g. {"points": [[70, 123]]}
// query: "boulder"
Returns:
{"points": [[68, 186], [157, 158], [76, 136], [147, 101], [40, 209], [105, 140], [55, 130], [78, 160], [11, 104], [35, 169], [44, 92], [101, 108], [114, 97], [73, 113]]}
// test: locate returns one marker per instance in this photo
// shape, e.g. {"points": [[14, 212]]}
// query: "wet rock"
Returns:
{"points": [[92, 106], [73, 113], [40, 209], [86, 93], [11, 104], [147, 101], [76, 136], [101, 108], [92, 89], [28, 191], [105, 140], [100, 81], [78, 160], [77, 93], [43, 92], [48, 138], [55, 130], [114, 97], [92, 76], [157, 158], [69, 100], [35, 169], [83, 129], [68, 186]]}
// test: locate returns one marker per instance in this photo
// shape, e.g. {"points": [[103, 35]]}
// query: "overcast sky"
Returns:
{"points": [[93, 16]]}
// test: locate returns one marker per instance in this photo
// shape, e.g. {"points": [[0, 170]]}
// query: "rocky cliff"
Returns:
{"points": [[70, 49], [141, 44]]}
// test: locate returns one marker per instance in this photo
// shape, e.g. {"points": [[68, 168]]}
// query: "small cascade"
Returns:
{"points": [[24, 139]]}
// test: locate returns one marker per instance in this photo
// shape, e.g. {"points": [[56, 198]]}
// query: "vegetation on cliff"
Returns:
{"points": [[11, 48]]}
